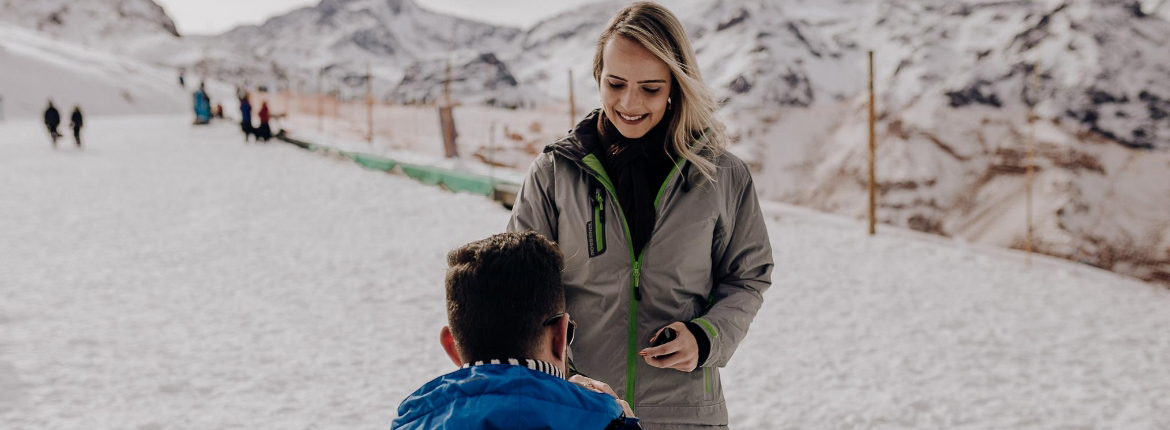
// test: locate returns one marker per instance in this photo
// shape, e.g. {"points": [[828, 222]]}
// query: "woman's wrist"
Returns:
{"points": [[701, 339]]}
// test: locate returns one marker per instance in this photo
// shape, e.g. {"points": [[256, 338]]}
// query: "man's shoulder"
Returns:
{"points": [[506, 394]]}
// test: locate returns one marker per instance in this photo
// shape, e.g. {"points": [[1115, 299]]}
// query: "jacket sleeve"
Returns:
{"points": [[741, 271], [536, 207]]}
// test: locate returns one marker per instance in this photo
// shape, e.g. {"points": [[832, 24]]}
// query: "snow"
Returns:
{"points": [[170, 276], [35, 67]]}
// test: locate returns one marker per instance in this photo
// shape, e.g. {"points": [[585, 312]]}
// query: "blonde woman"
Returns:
{"points": [[660, 226]]}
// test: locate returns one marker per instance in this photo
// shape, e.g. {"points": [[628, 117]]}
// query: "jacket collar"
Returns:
{"points": [[583, 139], [536, 365]]}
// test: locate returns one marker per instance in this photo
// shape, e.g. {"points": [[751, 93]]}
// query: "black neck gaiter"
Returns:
{"points": [[638, 168]]}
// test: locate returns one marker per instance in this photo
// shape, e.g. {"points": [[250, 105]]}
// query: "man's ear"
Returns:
{"points": [[448, 342], [560, 338]]}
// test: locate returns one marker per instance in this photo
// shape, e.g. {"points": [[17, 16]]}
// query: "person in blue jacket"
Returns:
{"points": [[508, 332]]}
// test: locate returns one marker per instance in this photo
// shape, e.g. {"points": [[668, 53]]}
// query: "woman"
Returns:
{"points": [[660, 226], [264, 132]]}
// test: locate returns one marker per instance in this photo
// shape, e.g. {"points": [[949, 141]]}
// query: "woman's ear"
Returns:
{"points": [[448, 342]]}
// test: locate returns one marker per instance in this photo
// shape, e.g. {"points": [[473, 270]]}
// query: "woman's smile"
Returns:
{"points": [[632, 119]]}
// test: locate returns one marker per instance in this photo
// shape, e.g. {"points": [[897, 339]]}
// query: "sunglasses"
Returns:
{"points": [[570, 333]]}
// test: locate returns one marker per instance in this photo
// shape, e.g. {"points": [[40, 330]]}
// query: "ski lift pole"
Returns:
{"points": [[872, 155], [369, 105], [572, 103]]}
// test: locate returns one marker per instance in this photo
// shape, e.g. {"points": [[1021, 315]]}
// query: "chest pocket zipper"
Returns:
{"points": [[595, 228]]}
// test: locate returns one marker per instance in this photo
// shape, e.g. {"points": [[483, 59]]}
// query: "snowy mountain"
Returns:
{"points": [[117, 25], [337, 38], [955, 88]]}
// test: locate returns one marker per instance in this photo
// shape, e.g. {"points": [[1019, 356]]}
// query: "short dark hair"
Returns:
{"points": [[500, 290]]}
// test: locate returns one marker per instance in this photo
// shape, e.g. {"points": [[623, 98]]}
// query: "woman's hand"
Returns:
{"points": [[593, 385], [681, 354], [601, 387]]}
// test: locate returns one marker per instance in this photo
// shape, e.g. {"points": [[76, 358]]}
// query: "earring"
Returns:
{"points": [[668, 102]]}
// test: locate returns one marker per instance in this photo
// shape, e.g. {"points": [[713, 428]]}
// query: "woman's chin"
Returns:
{"points": [[632, 135], [629, 132]]}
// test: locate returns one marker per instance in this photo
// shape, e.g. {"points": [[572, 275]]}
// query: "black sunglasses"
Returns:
{"points": [[570, 333]]}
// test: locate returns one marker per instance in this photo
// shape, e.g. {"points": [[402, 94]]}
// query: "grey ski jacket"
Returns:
{"points": [[708, 261]]}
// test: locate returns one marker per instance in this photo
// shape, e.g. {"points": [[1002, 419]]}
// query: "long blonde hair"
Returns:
{"points": [[695, 130]]}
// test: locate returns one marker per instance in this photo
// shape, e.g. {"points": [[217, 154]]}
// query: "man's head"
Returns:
{"points": [[501, 291]]}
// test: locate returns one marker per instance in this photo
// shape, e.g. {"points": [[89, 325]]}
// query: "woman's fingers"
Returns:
{"points": [[605, 388], [593, 385], [672, 361], [680, 354], [661, 350], [629, 412]]}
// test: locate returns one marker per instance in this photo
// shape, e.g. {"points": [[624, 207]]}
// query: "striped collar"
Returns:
{"points": [[536, 365]]}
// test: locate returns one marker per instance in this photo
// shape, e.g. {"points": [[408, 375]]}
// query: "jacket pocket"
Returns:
{"points": [[595, 228]]}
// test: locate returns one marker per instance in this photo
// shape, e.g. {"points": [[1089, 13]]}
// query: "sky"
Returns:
{"points": [[217, 16]]}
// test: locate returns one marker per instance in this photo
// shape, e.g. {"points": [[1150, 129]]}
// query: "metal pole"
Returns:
{"points": [[369, 104], [872, 155], [1031, 162], [572, 103], [320, 106]]}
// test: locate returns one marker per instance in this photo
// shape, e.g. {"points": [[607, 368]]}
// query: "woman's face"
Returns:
{"points": [[634, 87]]}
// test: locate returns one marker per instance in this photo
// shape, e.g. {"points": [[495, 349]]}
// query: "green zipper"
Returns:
{"points": [[598, 223], [635, 260]]}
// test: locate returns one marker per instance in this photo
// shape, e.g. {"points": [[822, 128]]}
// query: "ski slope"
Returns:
{"points": [[171, 277]]}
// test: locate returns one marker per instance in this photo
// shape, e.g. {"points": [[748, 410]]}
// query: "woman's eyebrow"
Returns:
{"points": [[651, 81]]}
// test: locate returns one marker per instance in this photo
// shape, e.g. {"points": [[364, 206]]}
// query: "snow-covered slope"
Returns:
{"points": [[124, 26], [955, 87], [35, 68], [200, 283]]}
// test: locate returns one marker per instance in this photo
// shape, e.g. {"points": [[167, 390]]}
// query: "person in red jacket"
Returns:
{"points": [[264, 132]]}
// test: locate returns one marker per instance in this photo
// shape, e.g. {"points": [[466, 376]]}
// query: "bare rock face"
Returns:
{"points": [[957, 83]]}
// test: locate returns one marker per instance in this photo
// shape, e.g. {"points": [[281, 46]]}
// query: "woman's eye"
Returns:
{"points": [[616, 86], [652, 90]]}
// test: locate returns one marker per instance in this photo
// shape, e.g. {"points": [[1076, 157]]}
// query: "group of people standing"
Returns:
{"points": [[204, 113], [264, 131], [53, 120]]}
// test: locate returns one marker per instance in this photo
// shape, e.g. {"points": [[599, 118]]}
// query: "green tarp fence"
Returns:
{"points": [[451, 179]]}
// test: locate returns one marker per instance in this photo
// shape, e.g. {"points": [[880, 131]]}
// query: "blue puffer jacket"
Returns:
{"points": [[502, 396]]}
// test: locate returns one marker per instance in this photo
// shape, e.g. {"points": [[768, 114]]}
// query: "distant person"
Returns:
{"points": [[182, 79], [52, 121], [264, 132], [218, 112], [75, 122], [509, 333], [246, 116], [662, 224], [202, 106]]}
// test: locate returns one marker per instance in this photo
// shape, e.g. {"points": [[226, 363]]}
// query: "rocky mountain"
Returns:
{"points": [[956, 84], [403, 44], [104, 23]]}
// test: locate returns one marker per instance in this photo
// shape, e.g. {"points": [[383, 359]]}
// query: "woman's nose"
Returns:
{"points": [[628, 101]]}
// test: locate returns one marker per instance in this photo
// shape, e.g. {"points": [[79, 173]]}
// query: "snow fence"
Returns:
{"points": [[453, 180]]}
